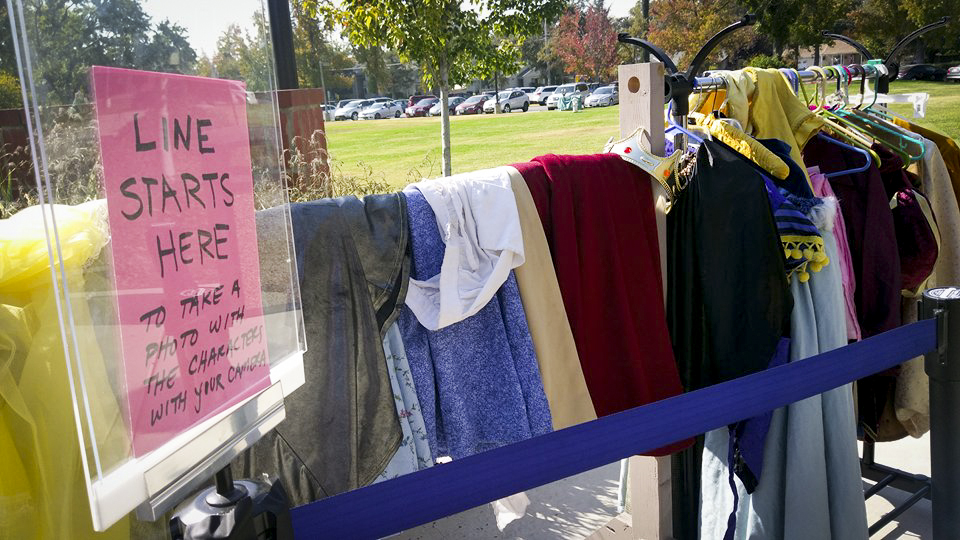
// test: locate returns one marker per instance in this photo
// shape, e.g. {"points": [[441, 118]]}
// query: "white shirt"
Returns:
{"points": [[480, 226]]}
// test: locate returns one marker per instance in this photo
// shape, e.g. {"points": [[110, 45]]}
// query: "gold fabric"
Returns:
{"points": [[42, 489], [563, 381], [746, 145], [763, 103]]}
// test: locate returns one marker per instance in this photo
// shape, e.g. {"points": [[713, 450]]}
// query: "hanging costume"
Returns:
{"points": [[341, 427], [43, 492], [556, 351], [477, 379], [597, 215]]}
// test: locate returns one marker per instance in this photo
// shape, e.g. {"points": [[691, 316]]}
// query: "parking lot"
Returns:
{"points": [[533, 109]]}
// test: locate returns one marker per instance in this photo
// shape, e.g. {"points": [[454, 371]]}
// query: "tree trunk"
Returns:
{"points": [[496, 92], [443, 82], [920, 51]]}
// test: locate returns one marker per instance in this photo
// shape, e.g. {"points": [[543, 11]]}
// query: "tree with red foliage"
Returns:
{"points": [[585, 42]]}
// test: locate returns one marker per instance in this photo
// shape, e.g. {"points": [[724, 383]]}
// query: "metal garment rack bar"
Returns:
{"points": [[710, 84]]}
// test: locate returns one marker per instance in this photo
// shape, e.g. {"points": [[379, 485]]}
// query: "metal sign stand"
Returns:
{"points": [[241, 510]]}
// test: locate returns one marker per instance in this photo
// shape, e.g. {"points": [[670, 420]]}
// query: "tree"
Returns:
{"points": [[880, 24], [586, 42], [640, 23], [681, 27], [535, 52], [69, 36], [169, 50], [448, 39], [796, 23], [320, 61], [502, 57], [242, 56], [374, 59]]}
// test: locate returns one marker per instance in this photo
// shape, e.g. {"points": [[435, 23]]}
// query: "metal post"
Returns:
{"points": [[943, 368], [281, 29]]}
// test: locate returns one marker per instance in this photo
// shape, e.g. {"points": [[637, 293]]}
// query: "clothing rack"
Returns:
{"points": [[415, 499], [641, 97], [710, 84], [918, 486]]}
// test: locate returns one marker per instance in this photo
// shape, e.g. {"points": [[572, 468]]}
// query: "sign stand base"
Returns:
{"points": [[235, 510]]}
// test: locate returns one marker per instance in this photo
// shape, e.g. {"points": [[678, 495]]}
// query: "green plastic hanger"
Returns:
{"points": [[839, 130], [910, 149]]}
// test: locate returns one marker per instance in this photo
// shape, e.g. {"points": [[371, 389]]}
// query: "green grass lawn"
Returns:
{"points": [[943, 109], [404, 151]]}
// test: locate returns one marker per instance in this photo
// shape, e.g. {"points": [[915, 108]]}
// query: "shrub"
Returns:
{"points": [[10, 97], [767, 61]]}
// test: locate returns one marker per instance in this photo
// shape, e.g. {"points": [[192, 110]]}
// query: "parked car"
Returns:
{"points": [[421, 107], [603, 97], [540, 94], [526, 90], [328, 112], [416, 99], [593, 86], [922, 72], [452, 102], [510, 100], [382, 109], [472, 105], [565, 90], [352, 109], [343, 102], [401, 103], [489, 93], [953, 74], [465, 94]]}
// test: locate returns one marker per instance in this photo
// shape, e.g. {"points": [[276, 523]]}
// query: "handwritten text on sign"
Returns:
{"points": [[176, 166]]}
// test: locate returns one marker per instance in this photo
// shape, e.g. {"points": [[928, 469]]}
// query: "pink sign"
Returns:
{"points": [[179, 185]]}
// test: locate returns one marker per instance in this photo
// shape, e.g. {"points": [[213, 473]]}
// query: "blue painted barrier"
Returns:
{"points": [[408, 501]]}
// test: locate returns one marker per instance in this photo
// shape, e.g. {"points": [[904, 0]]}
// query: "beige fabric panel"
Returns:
{"points": [[553, 343]]}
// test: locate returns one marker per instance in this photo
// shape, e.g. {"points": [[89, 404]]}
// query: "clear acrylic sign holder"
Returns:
{"points": [[155, 420]]}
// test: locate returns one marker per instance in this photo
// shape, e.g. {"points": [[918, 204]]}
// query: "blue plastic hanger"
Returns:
{"points": [[793, 78], [674, 128], [862, 152]]}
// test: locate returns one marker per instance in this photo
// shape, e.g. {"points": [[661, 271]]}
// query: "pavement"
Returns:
{"points": [[577, 506]]}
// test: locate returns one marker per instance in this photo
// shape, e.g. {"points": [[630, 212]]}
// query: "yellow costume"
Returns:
{"points": [[42, 488]]}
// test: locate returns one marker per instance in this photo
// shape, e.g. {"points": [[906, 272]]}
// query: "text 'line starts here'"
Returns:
{"points": [[180, 195]]}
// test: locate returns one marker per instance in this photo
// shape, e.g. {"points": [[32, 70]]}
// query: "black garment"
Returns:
{"points": [[341, 426], [728, 300]]}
